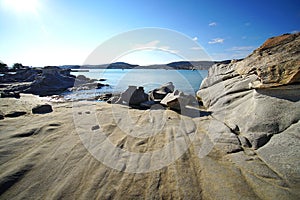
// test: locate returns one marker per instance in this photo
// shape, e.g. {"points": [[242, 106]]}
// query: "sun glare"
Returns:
{"points": [[22, 6]]}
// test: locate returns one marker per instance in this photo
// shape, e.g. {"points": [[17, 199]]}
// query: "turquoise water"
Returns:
{"points": [[187, 81]]}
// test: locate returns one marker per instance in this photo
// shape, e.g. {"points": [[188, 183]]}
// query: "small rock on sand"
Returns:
{"points": [[42, 109]]}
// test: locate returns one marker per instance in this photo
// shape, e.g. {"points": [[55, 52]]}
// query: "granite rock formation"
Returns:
{"points": [[275, 63], [255, 102], [51, 81], [48, 81], [23, 75], [178, 101], [133, 96]]}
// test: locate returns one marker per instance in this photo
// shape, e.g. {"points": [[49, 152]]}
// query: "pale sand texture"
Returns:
{"points": [[43, 157]]}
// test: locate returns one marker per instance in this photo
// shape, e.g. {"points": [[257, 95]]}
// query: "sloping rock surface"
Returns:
{"points": [[257, 99]]}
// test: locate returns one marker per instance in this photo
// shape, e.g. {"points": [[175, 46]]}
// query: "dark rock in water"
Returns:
{"points": [[133, 96], [52, 81], [10, 95], [161, 92], [101, 85], [87, 86], [15, 114], [42, 109], [82, 78], [24, 75], [48, 81], [84, 83], [104, 97], [113, 99]]}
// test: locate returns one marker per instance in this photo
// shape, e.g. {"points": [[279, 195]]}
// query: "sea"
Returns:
{"points": [[187, 81]]}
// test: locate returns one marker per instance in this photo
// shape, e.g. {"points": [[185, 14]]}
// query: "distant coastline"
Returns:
{"points": [[180, 65]]}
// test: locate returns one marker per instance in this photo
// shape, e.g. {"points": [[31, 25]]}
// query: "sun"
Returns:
{"points": [[22, 6]]}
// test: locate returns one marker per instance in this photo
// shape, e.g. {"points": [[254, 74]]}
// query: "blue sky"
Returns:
{"points": [[58, 32]]}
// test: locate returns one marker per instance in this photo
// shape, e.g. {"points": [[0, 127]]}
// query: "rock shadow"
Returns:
{"points": [[193, 112]]}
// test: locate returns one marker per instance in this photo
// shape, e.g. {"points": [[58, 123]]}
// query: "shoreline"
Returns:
{"points": [[56, 81]]}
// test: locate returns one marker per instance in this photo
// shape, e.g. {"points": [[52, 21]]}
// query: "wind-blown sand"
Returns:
{"points": [[42, 156]]}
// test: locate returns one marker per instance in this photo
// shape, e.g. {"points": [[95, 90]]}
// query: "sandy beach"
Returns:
{"points": [[43, 156]]}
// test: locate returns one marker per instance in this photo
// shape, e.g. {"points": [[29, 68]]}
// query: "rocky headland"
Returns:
{"points": [[245, 146], [47, 81]]}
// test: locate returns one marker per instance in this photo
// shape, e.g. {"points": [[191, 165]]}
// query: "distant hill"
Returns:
{"points": [[199, 65], [121, 65], [185, 65]]}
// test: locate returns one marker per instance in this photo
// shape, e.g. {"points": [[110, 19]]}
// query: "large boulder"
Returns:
{"points": [[182, 103], [176, 100], [23, 75], [159, 93], [133, 96], [52, 81]]}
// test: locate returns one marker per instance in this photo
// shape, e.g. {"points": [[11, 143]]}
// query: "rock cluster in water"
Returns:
{"points": [[45, 82], [165, 95]]}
